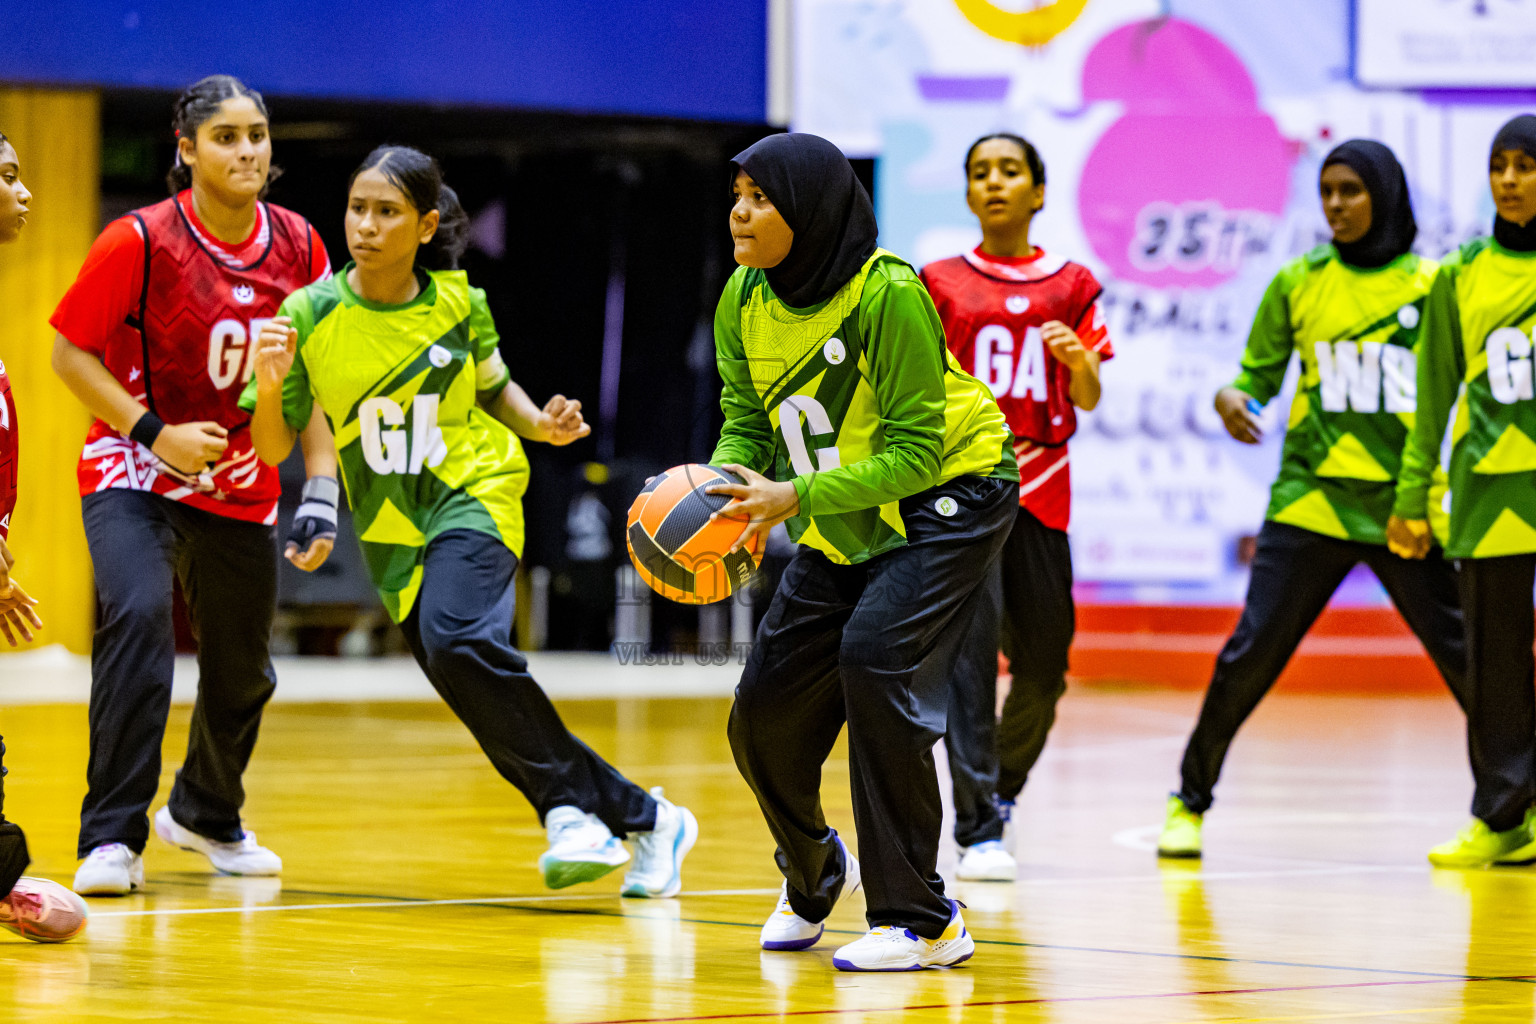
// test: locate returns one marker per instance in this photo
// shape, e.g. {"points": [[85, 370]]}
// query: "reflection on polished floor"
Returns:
{"points": [[410, 892]]}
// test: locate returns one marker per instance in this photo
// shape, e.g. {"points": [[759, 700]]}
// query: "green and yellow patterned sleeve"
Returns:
{"points": [[747, 436], [1270, 342], [904, 339], [1441, 366], [298, 401], [491, 373]]}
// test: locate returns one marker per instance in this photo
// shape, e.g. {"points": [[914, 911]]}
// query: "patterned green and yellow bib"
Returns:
{"points": [[1356, 333], [399, 386]]}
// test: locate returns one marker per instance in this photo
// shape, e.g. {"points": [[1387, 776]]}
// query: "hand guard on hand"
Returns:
{"points": [[316, 518]]}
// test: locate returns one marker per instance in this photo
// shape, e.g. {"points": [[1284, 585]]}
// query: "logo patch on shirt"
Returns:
{"points": [[946, 506], [1408, 316], [835, 351], [244, 294], [439, 356], [1016, 304]]}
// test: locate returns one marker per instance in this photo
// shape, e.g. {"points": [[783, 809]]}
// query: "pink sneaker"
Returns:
{"points": [[43, 911]]}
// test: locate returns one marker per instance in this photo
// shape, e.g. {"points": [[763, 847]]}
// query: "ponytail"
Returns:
{"points": [[452, 237], [420, 180], [197, 104]]}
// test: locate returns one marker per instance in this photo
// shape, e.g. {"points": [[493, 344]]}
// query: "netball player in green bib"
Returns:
{"points": [[1476, 358], [401, 355], [1352, 311], [848, 419]]}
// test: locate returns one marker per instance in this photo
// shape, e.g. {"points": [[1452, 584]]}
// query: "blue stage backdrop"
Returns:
{"points": [[671, 58]]}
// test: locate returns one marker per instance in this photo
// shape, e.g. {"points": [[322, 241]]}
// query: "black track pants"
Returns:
{"points": [[1295, 572], [872, 645], [140, 543], [460, 630], [1027, 607], [1501, 678]]}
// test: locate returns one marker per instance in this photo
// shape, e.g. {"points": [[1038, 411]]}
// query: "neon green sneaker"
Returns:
{"points": [[1527, 853], [1477, 845], [1181, 831]]}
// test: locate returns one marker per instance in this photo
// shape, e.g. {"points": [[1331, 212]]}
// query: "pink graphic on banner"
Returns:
{"points": [[1194, 177]]}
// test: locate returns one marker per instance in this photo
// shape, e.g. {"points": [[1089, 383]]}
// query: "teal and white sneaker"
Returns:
{"points": [[890, 948], [658, 869], [581, 849]]}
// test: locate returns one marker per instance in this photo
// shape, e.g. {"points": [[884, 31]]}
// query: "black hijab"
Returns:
{"points": [[814, 188], [1392, 227], [1519, 133]]}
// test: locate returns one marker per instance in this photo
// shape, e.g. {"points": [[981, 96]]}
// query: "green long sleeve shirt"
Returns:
{"points": [[1476, 359], [1357, 333], [855, 400]]}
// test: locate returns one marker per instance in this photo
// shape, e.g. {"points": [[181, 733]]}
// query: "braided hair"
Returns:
{"points": [[197, 103]]}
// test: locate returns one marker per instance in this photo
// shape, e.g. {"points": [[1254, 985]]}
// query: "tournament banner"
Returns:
{"points": [[1182, 144]]}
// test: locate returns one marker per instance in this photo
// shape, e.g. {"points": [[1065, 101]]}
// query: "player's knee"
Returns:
{"points": [[141, 610], [448, 657], [1042, 688], [760, 706], [738, 731], [864, 660], [454, 650]]}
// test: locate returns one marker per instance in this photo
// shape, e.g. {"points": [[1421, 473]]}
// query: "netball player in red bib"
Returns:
{"points": [[1027, 323], [156, 337], [36, 908]]}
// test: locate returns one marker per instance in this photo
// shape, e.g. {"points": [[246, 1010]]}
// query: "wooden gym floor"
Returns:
{"points": [[410, 892]]}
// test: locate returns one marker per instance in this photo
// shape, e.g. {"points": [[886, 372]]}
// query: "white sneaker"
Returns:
{"points": [[987, 862], [786, 930], [242, 858], [581, 849], [110, 870], [659, 853], [889, 948]]}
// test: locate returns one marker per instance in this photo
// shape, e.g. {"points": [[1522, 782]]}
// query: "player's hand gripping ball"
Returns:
{"points": [[678, 549]]}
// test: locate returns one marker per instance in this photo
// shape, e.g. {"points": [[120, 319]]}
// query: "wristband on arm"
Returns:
{"points": [[147, 430]]}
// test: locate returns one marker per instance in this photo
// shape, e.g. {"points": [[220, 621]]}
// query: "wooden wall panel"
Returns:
{"points": [[57, 135]]}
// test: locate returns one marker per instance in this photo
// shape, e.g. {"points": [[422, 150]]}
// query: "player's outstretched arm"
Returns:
{"points": [[559, 422]]}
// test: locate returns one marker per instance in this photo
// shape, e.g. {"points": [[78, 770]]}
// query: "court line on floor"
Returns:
{"points": [[1220, 876], [1049, 1000], [366, 901], [372, 902]]}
